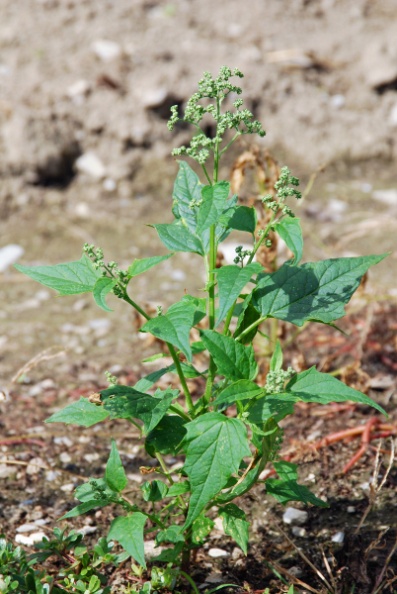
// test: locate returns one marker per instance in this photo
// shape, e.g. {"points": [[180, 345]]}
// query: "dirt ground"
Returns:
{"points": [[97, 78]]}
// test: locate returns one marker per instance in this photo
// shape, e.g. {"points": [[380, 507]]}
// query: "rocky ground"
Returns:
{"points": [[85, 91]]}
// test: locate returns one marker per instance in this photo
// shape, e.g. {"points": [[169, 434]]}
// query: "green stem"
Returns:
{"points": [[251, 327], [206, 173], [262, 238], [228, 319], [229, 144], [190, 580], [164, 468], [177, 409], [139, 309]]}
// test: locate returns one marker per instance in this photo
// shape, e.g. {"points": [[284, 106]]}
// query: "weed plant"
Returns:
{"points": [[226, 435]]}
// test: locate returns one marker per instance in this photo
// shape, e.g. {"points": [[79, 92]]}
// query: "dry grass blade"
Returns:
{"points": [[45, 355]]}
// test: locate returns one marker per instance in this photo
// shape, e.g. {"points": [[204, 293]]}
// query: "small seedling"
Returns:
{"points": [[226, 434]]}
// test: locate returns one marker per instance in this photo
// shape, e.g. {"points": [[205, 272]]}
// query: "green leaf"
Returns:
{"points": [[276, 362], [114, 474], [123, 402], [173, 534], [70, 278], [89, 491], [290, 231], [201, 527], [144, 264], [102, 288], [166, 437], [213, 202], [233, 360], [240, 488], [237, 391], [146, 382], [83, 413], [83, 508], [214, 446], [187, 193], [235, 525], [178, 238], [247, 316], [154, 490], [286, 489], [174, 326], [316, 291], [231, 281], [128, 531], [277, 406], [244, 219], [313, 386], [178, 489]]}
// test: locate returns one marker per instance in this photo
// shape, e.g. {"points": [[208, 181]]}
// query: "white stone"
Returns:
{"points": [[7, 470], [393, 115], [51, 475], [351, 509], [386, 196], [63, 440], [338, 537], [67, 488], [109, 184], [295, 516], [91, 457], [30, 540], [106, 50], [154, 97], [78, 90], [9, 255], [337, 101], [217, 553], [82, 210], [65, 458], [27, 528], [298, 531], [35, 466], [151, 550], [91, 165], [87, 530]]}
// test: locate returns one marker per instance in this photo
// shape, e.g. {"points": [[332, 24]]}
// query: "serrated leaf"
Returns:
{"points": [[174, 326], [247, 316], [316, 291], [123, 402], [214, 446], [238, 391], [235, 525], [83, 508], [286, 488], [276, 362], [70, 278], [233, 360], [166, 437], [178, 238], [154, 490], [114, 474], [213, 203], [102, 288], [187, 192], [244, 218], [141, 265], [290, 231], [231, 281], [83, 413], [314, 386], [201, 527], [128, 531], [87, 491]]}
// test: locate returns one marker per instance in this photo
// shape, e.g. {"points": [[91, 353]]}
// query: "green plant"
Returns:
{"points": [[229, 432]]}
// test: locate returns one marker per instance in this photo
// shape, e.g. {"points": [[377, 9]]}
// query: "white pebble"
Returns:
{"points": [[109, 184], [339, 537], [91, 165], [298, 531], [106, 50], [27, 528], [351, 509], [51, 475], [65, 458], [295, 516], [63, 440], [87, 530], [9, 254], [7, 470], [67, 488], [217, 553], [30, 540]]}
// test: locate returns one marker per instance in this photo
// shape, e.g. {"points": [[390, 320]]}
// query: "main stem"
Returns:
{"points": [[211, 269]]}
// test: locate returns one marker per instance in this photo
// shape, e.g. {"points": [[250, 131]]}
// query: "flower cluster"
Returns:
{"points": [[275, 380], [207, 101], [109, 270], [283, 191]]}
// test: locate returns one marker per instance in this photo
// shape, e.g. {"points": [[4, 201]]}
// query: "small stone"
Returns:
{"points": [[351, 509], [151, 550], [87, 530], [27, 528], [30, 540], [338, 537], [109, 184], [295, 516], [393, 115], [35, 466], [337, 101], [7, 470], [214, 578], [295, 571], [9, 255], [78, 90], [218, 553], [91, 457], [90, 165], [178, 275], [298, 531], [106, 50], [82, 210], [65, 458], [386, 196], [63, 440], [67, 488]]}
